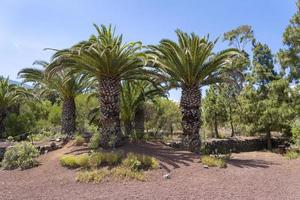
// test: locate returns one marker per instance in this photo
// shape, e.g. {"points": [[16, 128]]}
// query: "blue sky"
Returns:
{"points": [[29, 26]]}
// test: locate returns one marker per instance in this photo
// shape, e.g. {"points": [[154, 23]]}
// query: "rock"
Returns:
{"points": [[205, 166], [167, 176], [52, 145], [58, 139]]}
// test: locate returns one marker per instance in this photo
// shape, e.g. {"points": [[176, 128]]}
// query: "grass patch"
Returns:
{"points": [[126, 173], [95, 176], [213, 161], [72, 161], [292, 155], [138, 162], [79, 140]]}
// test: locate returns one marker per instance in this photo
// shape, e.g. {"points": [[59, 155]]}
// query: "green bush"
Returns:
{"points": [[95, 141], [213, 161], [292, 154], [113, 158], [72, 161], [96, 159], [21, 155], [138, 162], [296, 134], [17, 124], [54, 114], [79, 140]]}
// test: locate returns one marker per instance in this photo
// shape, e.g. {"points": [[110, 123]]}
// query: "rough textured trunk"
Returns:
{"points": [[2, 117], [109, 98], [269, 140], [68, 117], [189, 104], [128, 127], [139, 120]]}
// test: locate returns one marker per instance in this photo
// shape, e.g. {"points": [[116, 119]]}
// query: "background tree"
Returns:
{"points": [[105, 57], [190, 64], [290, 56]]}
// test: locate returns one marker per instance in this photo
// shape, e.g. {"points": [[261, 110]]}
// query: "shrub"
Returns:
{"points": [[138, 162], [95, 176], [125, 173], [72, 161], [54, 114], [96, 159], [95, 141], [79, 140], [296, 134], [21, 155], [292, 155], [213, 161], [113, 158], [10, 138]]}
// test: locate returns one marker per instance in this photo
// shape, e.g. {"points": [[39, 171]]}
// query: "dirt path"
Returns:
{"points": [[255, 175]]}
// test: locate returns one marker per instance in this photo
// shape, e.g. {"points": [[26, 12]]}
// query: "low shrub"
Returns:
{"points": [[113, 158], [21, 155], [79, 140], [95, 141], [96, 159], [292, 154], [125, 173], [72, 161], [137, 162], [213, 161], [95, 176]]}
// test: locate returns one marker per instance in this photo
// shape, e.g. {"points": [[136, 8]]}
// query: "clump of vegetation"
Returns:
{"points": [[95, 176], [137, 162], [79, 140], [72, 161], [213, 161], [95, 141], [125, 173], [292, 154], [21, 155]]}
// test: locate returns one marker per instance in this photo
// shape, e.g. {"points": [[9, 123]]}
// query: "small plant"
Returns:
{"points": [[96, 159], [125, 173], [95, 176], [113, 158], [21, 155], [292, 155], [137, 162], [213, 161], [72, 161], [10, 138], [79, 140], [95, 141]]}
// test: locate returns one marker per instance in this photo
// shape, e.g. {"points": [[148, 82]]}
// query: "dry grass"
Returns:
{"points": [[213, 161]]}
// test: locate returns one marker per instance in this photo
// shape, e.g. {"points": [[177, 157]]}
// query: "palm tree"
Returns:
{"points": [[133, 96], [108, 60], [10, 95], [66, 85], [190, 64]]}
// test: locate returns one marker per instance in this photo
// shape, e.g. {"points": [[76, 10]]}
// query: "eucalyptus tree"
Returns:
{"points": [[10, 95], [134, 94], [191, 64], [66, 85], [109, 60]]}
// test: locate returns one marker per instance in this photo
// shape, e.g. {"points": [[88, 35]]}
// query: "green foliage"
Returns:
{"points": [[79, 140], [213, 161], [125, 173], [72, 161], [138, 162], [17, 124], [296, 133], [95, 176], [54, 115], [95, 141], [292, 154], [21, 155]]}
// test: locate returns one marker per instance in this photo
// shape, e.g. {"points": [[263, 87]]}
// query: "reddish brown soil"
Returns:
{"points": [[255, 175]]}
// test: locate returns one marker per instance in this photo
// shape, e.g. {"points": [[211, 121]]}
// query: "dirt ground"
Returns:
{"points": [[254, 175]]}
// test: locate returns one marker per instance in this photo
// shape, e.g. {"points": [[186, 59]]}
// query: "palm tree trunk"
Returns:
{"points": [[109, 99], [128, 127], [269, 140], [68, 117], [139, 120], [189, 104], [2, 118]]}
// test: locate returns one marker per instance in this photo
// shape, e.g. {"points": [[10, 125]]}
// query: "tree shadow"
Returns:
{"points": [[250, 163]]}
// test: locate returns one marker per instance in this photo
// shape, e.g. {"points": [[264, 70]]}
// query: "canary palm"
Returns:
{"points": [[66, 85], [190, 64], [10, 95], [109, 60]]}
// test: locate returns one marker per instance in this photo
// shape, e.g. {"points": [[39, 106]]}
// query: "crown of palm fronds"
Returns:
{"points": [[190, 61], [103, 55]]}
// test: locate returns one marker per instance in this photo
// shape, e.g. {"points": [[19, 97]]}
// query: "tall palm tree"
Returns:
{"points": [[66, 85], [190, 64], [133, 96], [109, 60], [10, 95]]}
